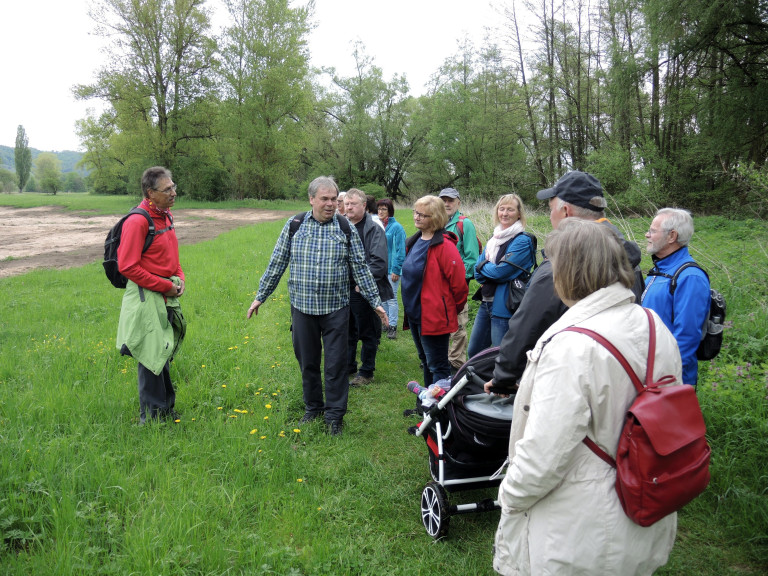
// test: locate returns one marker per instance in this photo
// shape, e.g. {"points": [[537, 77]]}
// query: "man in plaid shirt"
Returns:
{"points": [[321, 255]]}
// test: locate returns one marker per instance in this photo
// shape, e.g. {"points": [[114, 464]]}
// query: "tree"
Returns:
{"points": [[73, 182], [23, 157], [8, 181], [48, 172], [158, 86], [268, 94]]}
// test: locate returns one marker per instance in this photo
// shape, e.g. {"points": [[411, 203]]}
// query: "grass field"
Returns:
{"points": [[238, 487]]}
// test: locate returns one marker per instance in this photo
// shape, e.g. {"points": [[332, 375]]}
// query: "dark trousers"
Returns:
{"points": [[365, 326], [433, 353], [156, 394], [311, 334]]}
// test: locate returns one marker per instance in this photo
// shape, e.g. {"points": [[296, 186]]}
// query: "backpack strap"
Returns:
{"points": [[299, 219], [151, 232], [591, 444], [673, 278], [460, 226]]}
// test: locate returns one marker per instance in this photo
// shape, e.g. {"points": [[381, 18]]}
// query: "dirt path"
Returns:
{"points": [[52, 237]]}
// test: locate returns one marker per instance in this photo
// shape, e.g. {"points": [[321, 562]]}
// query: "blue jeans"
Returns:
{"points": [[488, 330], [433, 353], [390, 306]]}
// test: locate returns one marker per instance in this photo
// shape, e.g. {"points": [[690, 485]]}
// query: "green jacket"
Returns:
{"points": [[151, 327], [468, 245]]}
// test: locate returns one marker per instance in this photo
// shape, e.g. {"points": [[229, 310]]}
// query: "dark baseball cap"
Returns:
{"points": [[577, 188], [449, 193]]}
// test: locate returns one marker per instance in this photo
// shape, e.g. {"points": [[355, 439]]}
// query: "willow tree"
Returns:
{"points": [[375, 135]]}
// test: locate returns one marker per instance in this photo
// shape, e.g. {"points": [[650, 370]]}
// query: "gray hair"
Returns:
{"points": [[325, 182], [579, 212], [359, 194], [678, 220], [151, 177], [586, 256]]}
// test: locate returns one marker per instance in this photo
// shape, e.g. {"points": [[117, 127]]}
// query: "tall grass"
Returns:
{"points": [[238, 487]]}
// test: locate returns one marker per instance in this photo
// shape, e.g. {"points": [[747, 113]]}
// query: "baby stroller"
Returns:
{"points": [[467, 436]]}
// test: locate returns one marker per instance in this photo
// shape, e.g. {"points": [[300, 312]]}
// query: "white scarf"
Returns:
{"points": [[501, 235]]}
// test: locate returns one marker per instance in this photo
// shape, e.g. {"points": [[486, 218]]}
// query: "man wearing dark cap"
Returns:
{"points": [[469, 249], [575, 195]]}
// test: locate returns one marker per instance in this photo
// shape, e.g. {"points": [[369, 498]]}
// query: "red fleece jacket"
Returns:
{"points": [[151, 269]]}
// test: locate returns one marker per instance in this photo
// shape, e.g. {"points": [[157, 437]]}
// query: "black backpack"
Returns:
{"points": [[712, 335], [112, 241]]}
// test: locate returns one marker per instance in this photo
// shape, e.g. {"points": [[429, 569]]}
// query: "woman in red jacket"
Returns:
{"points": [[433, 287]]}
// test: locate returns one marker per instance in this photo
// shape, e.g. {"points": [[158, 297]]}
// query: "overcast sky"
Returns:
{"points": [[47, 48]]}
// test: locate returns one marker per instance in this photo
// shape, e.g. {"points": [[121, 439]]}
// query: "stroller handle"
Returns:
{"points": [[469, 374]]}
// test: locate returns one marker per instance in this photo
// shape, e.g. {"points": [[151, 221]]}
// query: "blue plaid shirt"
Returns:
{"points": [[320, 259]]}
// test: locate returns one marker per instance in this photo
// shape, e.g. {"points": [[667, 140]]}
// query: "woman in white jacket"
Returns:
{"points": [[560, 510]]}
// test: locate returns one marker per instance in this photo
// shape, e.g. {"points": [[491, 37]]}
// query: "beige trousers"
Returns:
{"points": [[457, 348]]}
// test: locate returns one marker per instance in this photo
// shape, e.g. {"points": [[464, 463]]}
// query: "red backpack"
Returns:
{"points": [[662, 462], [460, 228]]}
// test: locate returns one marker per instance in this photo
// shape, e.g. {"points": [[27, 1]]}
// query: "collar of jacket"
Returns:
{"points": [[438, 238], [671, 261]]}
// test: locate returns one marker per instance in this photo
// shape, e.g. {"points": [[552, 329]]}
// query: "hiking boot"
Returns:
{"points": [[392, 332], [360, 380], [334, 427], [308, 417]]}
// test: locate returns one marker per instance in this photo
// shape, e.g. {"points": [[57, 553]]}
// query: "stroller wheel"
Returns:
{"points": [[434, 510]]}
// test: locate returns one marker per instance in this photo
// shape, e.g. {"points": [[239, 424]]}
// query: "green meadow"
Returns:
{"points": [[238, 487]]}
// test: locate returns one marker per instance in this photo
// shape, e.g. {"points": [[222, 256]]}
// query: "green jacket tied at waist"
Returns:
{"points": [[151, 327]]}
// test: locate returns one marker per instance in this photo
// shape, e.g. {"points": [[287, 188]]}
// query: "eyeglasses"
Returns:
{"points": [[171, 188], [420, 215]]}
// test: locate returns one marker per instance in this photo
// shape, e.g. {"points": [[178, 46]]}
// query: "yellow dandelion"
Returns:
{"points": [[233, 415], [299, 480], [266, 417], [177, 420], [254, 431], [262, 437], [274, 393], [297, 430], [268, 406], [220, 408], [223, 385], [202, 365]]}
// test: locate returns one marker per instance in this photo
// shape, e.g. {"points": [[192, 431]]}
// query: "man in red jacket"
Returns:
{"points": [[159, 272]]}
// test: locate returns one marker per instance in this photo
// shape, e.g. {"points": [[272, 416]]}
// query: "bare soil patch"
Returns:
{"points": [[52, 237]]}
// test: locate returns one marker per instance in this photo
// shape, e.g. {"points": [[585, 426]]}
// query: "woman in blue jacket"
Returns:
{"points": [[396, 249], [509, 254]]}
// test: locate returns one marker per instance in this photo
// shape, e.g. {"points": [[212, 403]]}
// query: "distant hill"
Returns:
{"points": [[67, 158]]}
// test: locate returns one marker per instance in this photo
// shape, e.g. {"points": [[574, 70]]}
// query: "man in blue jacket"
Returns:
{"points": [[685, 311]]}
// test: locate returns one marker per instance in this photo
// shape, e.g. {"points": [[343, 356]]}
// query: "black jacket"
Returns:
{"points": [[539, 309], [376, 255]]}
